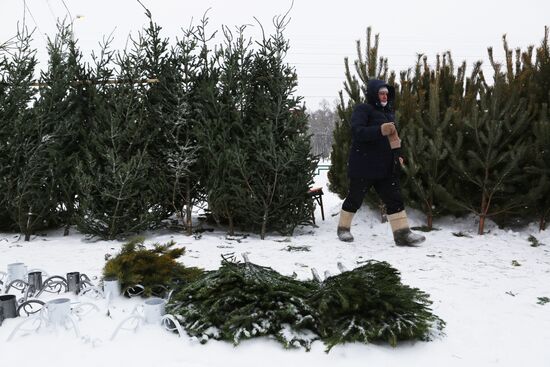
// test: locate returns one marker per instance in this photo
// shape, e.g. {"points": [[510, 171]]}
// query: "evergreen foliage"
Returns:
{"points": [[182, 102], [371, 304], [538, 166], [150, 268], [494, 136], [534, 241], [117, 180], [49, 184], [37, 141], [138, 136], [338, 173], [17, 66], [173, 145], [123, 144], [469, 146], [275, 160], [243, 300], [425, 126], [222, 128], [124, 179], [253, 135]]}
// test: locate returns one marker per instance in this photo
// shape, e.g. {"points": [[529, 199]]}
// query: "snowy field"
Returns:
{"points": [[486, 288]]}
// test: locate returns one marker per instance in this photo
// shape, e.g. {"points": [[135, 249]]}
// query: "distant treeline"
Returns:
{"points": [[321, 127]]}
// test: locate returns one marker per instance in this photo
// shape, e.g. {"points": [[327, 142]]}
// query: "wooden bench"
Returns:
{"points": [[316, 193]]}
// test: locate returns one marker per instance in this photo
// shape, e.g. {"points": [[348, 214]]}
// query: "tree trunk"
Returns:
{"points": [[28, 226], [231, 225], [189, 219], [188, 209], [70, 216], [264, 225], [383, 214], [483, 214], [542, 223], [429, 215], [481, 224]]}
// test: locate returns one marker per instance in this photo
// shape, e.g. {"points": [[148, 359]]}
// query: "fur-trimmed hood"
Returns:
{"points": [[373, 86]]}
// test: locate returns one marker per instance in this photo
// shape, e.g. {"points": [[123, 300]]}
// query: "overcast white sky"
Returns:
{"points": [[321, 32]]}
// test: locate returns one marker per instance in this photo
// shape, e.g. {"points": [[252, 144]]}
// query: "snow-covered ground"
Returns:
{"points": [[485, 287]]}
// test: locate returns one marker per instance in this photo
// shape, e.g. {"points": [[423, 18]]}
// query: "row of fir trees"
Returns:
{"points": [[471, 145], [122, 143]]}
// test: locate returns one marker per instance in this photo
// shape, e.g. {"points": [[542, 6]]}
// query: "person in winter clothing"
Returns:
{"points": [[375, 161]]}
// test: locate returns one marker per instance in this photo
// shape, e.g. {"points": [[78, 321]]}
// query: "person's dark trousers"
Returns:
{"points": [[387, 189]]}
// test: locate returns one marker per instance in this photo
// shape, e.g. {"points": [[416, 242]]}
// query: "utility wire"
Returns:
{"points": [[34, 20], [51, 11], [320, 77], [68, 11], [24, 12]]}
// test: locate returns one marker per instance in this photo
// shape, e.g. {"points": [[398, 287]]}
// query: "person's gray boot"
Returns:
{"points": [[402, 234], [406, 237], [344, 225]]}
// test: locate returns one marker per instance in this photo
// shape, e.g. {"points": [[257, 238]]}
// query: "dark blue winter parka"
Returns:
{"points": [[371, 156]]}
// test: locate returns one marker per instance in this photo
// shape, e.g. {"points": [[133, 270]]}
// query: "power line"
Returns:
{"points": [[335, 96], [320, 77], [381, 54], [316, 63], [68, 11], [32, 17], [51, 11]]}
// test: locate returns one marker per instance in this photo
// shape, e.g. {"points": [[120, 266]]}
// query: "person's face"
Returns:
{"points": [[383, 96]]}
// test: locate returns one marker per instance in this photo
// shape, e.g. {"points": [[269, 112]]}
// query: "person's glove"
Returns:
{"points": [[398, 160], [387, 128], [394, 140]]}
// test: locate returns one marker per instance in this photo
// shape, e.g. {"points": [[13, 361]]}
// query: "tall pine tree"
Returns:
{"points": [[494, 134], [277, 165], [48, 145], [223, 127], [119, 179], [17, 67], [425, 134], [538, 168]]}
